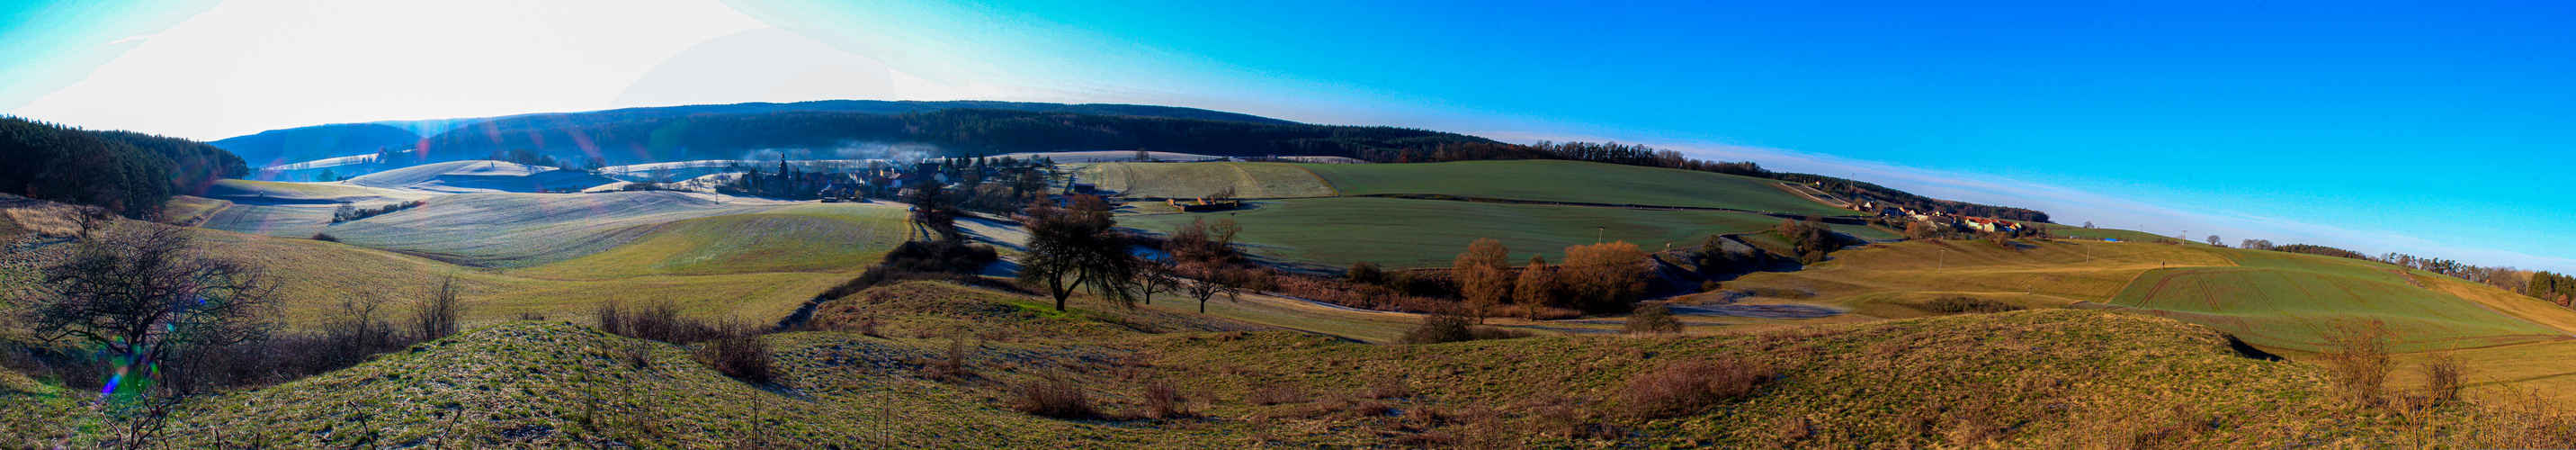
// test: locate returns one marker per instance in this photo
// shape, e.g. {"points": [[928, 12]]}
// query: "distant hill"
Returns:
{"points": [[480, 176], [631, 138], [294, 145]]}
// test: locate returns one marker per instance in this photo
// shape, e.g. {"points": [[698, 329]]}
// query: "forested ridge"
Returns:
{"points": [[130, 173], [957, 132]]}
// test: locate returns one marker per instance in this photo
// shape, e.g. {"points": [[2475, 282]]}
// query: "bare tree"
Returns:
{"points": [[144, 292], [1603, 277], [1070, 249], [436, 316], [1537, 286], [1483, 276], [2215, 242], [1154, 276], [1208, 283]]}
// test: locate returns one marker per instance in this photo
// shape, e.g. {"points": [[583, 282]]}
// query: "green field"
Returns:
{"points": [[1570, 181], [1189, 180], [825, 241], [525, 230], [2294, 301], [1403, 233]]}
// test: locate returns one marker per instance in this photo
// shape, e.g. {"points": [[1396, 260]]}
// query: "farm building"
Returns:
{"points": [[1204, 205]]}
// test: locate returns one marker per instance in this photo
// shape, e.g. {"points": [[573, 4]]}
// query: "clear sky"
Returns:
{"points": [[2434, 128]]}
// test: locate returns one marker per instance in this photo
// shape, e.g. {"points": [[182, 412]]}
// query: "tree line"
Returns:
{"points": [[957, 132], [967, 132], [130, 174], [2555, 287]]}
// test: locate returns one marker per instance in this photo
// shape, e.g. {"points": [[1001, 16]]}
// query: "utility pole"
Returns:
{"points": [[1598, 232]]}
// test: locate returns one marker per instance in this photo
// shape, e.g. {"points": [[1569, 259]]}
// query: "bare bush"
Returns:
{"points": [[1441, 328], [1653, 318], [1689, 386], [436, 316], [1956, 304], [2357, 364], [2443, 379], [1053, 396], [1162, 401], [736, 351], [952, 367]]}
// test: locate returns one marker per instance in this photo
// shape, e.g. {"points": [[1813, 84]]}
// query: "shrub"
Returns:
{"points": [[1957, 304], [1440, 328], [922, 260], [737, 352], [325, 237], [951, 368], [1053, 396], [2443, 380], [1365, 272], [1162, 401], [2357, 363], [1653, 318], [1690, 386]]}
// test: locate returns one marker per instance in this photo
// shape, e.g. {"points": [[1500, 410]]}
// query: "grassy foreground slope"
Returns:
{"points": [[1335, 232], [2030, 379], [1570, 181]]}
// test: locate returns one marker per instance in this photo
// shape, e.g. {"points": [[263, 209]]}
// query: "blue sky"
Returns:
{"points": [[2434, 128]]}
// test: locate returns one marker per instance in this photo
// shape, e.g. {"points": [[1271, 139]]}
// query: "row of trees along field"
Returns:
{"points": [[131, 174], [1595, 278], [1640, 155]]}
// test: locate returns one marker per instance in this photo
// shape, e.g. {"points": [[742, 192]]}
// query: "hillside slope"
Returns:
{"points": [[2282, 302], [480, 176]]}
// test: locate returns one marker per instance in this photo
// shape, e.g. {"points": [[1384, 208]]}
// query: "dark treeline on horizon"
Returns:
{"points": [[956, 132], [1640, 155], [131, 174]]}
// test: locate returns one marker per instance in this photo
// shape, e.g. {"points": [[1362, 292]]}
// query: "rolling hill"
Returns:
{"points": [[456, 177], [293, 145]]}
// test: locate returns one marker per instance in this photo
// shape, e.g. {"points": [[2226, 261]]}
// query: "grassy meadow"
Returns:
{"points": [[1570, 181], [1189, 180], [1405, 233], [2025, 379]]}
